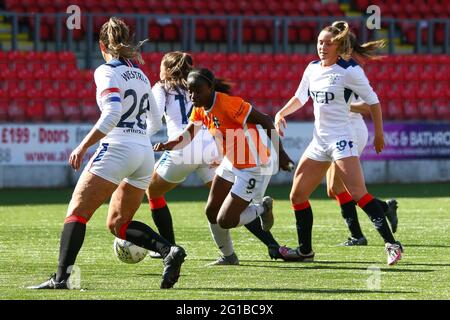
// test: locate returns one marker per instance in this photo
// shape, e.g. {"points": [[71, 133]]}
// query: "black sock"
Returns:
{"points": [[266, 237], [383, 205], [163, 221], [143, 236], [304, 222], [376, 215], [348, 211], [72, 238]]}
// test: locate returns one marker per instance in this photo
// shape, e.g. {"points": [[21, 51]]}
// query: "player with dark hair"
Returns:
{"points": [[237, 193], [201, 156]]}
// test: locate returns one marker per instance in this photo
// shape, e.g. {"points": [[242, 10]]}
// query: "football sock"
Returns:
{"points": [[266, 237], [250, 213], [371, 206], [304, 223], [222, 239], [348, 211], [162, 218], [383, 205], [143, 236], [72, 238]]}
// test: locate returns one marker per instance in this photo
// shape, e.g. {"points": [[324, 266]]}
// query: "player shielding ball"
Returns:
{"points": [[121, 168]]}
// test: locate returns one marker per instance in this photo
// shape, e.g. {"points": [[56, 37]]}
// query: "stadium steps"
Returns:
{"points": [[23, 42]]}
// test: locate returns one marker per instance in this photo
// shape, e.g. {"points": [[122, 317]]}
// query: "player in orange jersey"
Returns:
{"points": [[237, 192]]}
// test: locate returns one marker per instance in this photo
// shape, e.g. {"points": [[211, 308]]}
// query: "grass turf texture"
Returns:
{"points": [[31, 222]]}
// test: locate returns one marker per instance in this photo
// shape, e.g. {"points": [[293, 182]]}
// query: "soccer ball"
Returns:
{"points": [[128, 252]]}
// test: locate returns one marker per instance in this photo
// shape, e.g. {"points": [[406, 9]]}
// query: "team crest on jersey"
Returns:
{"points": [[216, 122], [333, 78]]}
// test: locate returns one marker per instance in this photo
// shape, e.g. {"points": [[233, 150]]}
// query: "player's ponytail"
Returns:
{"points": [[115, 35], [348, 46], [178, 65], [220, 85]]}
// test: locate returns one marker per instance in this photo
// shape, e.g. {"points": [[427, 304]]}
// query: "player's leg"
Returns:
{"points": [[90, 193], [123, 205], [336, 189], [349, 170], [158, 206], [307, 177], [219, 189]]}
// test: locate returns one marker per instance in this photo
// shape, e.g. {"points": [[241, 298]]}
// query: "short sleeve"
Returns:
{"points": [[105, 79], [196, 116], [240, 112], [302, 92], [357, 81], [160, 96]]}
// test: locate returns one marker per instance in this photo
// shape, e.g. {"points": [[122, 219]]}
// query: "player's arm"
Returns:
{"points": [[296, 102], [182, 140], [357, 81], [360, 107], [109, 118], [265, 121]]}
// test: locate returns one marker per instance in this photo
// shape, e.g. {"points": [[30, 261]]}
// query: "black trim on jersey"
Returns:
{"points": [[356, 96], [347, 94], [345, 64], [315, 62]]}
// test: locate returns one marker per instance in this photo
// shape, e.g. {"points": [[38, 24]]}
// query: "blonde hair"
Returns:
{"points": [[178, 65], [115, 35], [348, 46]]}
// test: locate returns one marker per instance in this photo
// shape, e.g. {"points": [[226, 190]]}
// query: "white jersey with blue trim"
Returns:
{"points": [[177, 107], [124, 95], [332, 89]]}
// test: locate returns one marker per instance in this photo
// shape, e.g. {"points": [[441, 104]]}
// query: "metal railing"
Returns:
{"points": [[234, 30]]}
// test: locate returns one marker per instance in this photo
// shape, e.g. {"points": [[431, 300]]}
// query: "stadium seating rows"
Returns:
{"points": [[215, 30], [47, 86]]}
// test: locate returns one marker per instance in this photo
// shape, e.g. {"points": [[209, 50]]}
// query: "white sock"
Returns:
{"points": [[252, 212], [222, 238]]}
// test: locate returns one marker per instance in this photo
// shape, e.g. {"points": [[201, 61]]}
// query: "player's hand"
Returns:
{"points": [[76, 157], [286, 164], [159, 147], [279, 123], [378, 143]]}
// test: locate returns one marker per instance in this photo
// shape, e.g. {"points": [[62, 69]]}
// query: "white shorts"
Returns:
{"points": [[172, 169], [360, 134], [248, 184], [339, 148], [132, 163]]}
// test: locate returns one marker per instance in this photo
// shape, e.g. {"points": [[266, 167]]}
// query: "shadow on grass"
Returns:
{"points": [[62, 195]]}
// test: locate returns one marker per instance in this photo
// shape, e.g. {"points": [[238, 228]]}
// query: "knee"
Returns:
{"points": [[211, 213], [116, 226], [226, 223], [297, 198]]}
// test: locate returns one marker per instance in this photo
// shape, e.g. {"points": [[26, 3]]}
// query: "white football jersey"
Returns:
{"points": [[332, 89], [177, 107], [121, 84]]}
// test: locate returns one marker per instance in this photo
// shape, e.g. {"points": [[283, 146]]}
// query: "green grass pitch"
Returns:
{"points": [[31, 221]]}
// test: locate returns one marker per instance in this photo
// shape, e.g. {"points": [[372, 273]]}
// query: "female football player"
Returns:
{"points": [[121, 167], [201, 156], [331, 82], [244, 172]]}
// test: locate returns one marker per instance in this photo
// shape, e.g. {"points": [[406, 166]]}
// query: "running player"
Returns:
{"points": [[200, 156], [331, 82], [121, 167], [243, 174]]}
